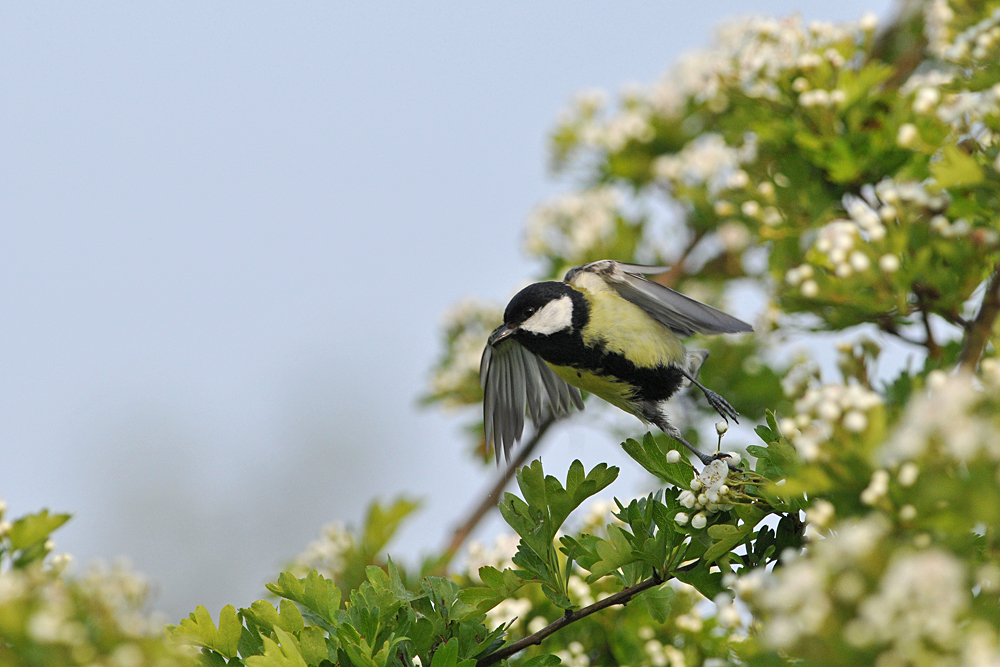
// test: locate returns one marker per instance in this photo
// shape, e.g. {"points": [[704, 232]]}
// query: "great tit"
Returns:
{"points": [[605, 329]]}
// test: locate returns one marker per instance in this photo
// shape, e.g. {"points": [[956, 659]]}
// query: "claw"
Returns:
{"points": [[722, 406]]}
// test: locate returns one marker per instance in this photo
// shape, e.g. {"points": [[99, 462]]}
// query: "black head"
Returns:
{"points": [[533, 298]]}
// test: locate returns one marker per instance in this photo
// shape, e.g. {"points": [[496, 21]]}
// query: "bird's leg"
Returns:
{"points": [[720, 404], [673, 432]]}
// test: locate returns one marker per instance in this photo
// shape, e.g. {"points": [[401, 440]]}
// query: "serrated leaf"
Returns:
{"points": [[725, 538], [481, 599], [708, 583], [382, 523], [314, 592], [285, 654], [614, 553], [557, 598], [649, 455], [199, 630], [447, 656], [657, 600], [491, 576], [312, 644], [251, 643]]}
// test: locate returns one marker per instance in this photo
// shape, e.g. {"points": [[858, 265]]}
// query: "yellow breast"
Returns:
{"points": [[615, 392], [636, 336]]}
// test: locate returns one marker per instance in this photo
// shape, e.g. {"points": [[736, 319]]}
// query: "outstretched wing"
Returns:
{"points": [[681, 314], [514, 381]]}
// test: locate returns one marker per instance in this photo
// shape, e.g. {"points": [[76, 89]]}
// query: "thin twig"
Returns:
{"points": [[671, 277], [622, 597], [933, 349], [978, 333], [491, 499]]}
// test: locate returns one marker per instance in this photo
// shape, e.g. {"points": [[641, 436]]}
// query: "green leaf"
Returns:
{"points": [[956, 168], [266, 616], [708, 583], [649, 455], [614, 553], [447, 656], [312, 643], [382, 523], [199, 630], [251, 643], [657, 601], [35, 528], [481, 599], [283, 654], [314, 592], [546, 660], [725, 538]]}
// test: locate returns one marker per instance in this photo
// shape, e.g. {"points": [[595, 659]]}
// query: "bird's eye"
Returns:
{"points": [[529, 311]]}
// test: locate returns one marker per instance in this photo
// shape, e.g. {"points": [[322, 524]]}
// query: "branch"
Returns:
{"points": [[933, 349], [491, 499], [671, 277], [979, 330], [622, 597]]}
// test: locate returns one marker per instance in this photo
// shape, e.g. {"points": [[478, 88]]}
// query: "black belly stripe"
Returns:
{"points": [[652, 384]]}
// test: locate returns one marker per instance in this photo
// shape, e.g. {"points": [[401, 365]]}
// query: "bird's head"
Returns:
{"points": [[541, 309]]}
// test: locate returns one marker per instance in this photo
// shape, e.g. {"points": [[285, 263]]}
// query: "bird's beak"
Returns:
{"points": [[500, 333]]}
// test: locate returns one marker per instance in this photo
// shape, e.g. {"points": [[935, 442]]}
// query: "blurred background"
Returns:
{"points": [[228, 234]]}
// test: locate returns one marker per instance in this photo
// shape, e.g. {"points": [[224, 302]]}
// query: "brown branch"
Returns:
{"points": [[978, 333], [622, 597], [933, 349], [671, 277], [491, 499]]}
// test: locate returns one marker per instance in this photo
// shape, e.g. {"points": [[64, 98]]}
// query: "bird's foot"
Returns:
{"points": [[722, 406], [723, 455]]}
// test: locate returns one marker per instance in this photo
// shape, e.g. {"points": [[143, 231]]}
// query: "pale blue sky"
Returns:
{"points": [[227, 236]]}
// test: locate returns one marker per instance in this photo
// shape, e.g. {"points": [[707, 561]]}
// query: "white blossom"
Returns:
{"points": [[572, 225]]}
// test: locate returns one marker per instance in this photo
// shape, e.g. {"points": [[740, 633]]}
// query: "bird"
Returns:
{"points": [[605, 329]]}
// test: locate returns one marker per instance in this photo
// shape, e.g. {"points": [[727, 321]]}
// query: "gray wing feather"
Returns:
{"points": [[516, 381], [681, 314]]}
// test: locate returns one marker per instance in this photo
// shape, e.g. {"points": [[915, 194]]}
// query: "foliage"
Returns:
{"points": [[50, 618], [848, 181]]}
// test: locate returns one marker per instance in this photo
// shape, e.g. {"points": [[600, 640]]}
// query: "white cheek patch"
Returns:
{"points": [[554, 316]]}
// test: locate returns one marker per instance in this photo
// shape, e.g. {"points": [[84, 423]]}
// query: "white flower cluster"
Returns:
{"points": [[964, 110], [919, 604], [821, 410], [579, 591], [708, 160], [912, 611], [100, 617], [707, 494], [937, 26], [600, 513], [574, 655], [750, 54], [573, 224], [946, 419], [467, 324], [498, 556], [803, 373], [510, 610], [660, 654], [798, 598], [976, 41], [837, 241], [819, 97], [327, 554]]}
